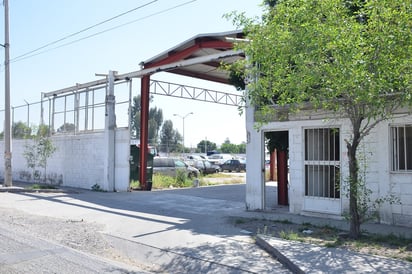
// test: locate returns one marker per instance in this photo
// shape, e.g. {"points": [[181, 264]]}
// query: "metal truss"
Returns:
{"points": [[195, 93]]}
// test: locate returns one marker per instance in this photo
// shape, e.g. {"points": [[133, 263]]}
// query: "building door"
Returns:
{"points": [[322, 170]]}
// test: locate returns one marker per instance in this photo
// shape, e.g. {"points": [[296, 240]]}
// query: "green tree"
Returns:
{"points": [[135, 117], [155, 121], [169, 138], [205, 146], [38, 152], [67, 127], [228, 147], [349, 57], [242, 148], [20, 130]]}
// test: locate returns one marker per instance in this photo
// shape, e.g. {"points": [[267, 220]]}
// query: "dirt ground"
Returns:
{"points": [[387, 246], [78, 234]]}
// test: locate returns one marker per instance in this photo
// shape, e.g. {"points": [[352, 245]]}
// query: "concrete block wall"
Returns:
{"points": [[77, 162], [122, 164], [80, 159], [379, 177], [399, 184]]}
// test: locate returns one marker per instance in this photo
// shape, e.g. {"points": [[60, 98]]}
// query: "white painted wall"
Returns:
{"points": [[375, 147], [122, 154], [78, 161], [255, 190]]}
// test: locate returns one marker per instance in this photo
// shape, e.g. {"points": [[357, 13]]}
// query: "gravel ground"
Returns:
{"points": [[76, 234], [387, 246]]}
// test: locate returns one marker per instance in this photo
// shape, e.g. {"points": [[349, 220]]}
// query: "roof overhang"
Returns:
{"points": [[199, 57], [201, 45]]}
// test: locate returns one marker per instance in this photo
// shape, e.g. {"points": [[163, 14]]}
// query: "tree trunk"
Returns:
{"points": [[354, 231], [355, 218]]}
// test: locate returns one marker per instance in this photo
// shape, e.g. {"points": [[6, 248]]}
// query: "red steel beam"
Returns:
{"points": [[144, 129], [181, 55]]}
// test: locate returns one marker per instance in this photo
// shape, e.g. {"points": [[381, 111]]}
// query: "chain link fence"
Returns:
{"points": [[78, 112]]}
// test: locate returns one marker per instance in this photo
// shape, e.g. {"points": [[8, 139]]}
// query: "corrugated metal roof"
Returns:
{"points": [[199, 46]]}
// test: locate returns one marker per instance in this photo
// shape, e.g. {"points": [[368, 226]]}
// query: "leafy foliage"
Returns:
{"points": [[228, 147], [349, 57], [20, 130], [155, 121], [67, 127], [39, 151], [277, 140], [170, 138], [162, 181], [205, 146]]}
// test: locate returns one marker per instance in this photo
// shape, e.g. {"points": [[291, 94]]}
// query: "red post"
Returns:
{"points": [[272, 165], [282, 172], [144, 129]]}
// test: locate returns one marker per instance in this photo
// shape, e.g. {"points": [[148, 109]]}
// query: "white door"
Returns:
{"points": [[322, 170]]}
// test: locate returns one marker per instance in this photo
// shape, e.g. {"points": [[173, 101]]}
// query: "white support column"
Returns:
{"points": [[76, 112], [255, 183], [109, 136]]}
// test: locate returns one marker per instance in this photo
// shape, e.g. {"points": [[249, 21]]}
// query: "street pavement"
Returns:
{"points": [[187, 231], [21, 253]]}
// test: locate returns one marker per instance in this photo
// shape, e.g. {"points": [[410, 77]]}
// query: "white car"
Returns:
{"points": [[219, 159]]}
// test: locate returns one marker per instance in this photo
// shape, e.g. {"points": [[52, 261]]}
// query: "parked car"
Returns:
{"points": [[196, 157], [170, 167], [219, 159], [206, 167], [233, 165]]}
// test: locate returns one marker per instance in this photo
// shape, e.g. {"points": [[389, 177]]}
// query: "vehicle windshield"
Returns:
{"points": [[179, 163]]}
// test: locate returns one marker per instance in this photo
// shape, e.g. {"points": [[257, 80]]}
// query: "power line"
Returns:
{"points": [[29, 55], [83, 30]]}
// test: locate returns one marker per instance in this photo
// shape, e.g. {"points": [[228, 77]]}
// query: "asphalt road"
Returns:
{"points": [[26, 253], [172, 231]]}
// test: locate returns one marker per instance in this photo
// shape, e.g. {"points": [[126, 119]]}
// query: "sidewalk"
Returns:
{"points": [[308, 258], [187, 230]]}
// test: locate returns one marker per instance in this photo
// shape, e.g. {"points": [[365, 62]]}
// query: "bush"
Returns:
{"points": [[161, 181]]}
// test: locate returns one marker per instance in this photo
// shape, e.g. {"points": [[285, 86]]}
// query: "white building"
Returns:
{"points": [[318, 165]]}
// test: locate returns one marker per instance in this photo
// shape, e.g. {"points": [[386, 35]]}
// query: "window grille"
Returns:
{"points": [[401, 144], [322, 163]]}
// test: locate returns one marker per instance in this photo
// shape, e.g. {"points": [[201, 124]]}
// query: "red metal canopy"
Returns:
{"points": [[198, 46], [202, 45]]}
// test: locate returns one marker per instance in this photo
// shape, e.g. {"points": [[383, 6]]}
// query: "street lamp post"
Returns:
{"points": [[183, 119]]}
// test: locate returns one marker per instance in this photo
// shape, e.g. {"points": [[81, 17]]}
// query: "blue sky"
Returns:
{"points": [[34, 24]]}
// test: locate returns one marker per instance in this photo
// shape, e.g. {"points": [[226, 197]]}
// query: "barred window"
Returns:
{"points": [[322, 163], [401, 144]]}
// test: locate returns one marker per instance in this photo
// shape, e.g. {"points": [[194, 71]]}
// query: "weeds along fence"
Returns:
{"points": [[78, 112]]}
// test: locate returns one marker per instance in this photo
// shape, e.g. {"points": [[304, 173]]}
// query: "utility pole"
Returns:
{"points": [[7, 122], [183, 119]]}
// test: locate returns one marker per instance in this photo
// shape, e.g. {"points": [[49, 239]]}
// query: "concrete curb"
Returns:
{"points": [[28, 190], [278, 255]]}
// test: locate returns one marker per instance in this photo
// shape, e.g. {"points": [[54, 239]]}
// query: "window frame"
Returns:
{"points": [[394, 162], [323, 164]]}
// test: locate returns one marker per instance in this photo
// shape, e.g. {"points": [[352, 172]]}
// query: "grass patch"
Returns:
{"points": [[98, 188], [220, 179], [42, 186], [218, 175], [134, 184], [162, 182], [333, 244], [289, 235], [284, 221], [391, 245], [240, 221]]}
